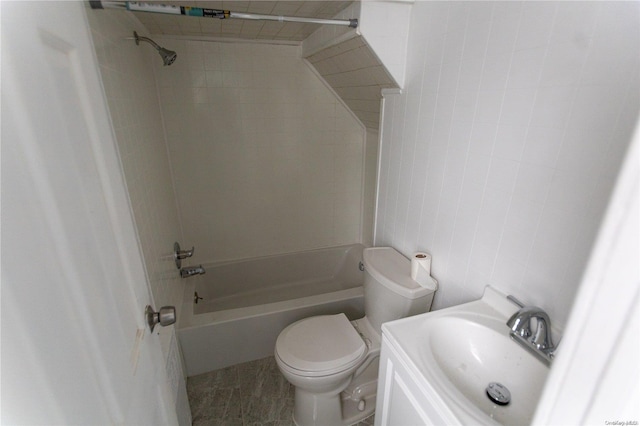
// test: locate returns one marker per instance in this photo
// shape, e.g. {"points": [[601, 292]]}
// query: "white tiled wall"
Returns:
{"points": [[266, 159], [129, 83], [500, 155], [131, 92]]}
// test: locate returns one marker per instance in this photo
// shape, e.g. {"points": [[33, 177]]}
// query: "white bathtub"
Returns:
{"points": [[247, 303]]}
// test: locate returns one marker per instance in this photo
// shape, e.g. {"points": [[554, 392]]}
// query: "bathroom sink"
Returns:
{"points": [[471, 352], [459, 351]]}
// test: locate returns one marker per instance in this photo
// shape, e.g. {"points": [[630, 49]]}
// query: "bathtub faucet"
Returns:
{"points": [[190, 271]]}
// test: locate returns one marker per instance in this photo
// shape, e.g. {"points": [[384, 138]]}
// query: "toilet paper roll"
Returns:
{"points": [[421, 268]]}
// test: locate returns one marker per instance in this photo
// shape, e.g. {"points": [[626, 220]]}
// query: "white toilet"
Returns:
{"points": [[332, 362]]}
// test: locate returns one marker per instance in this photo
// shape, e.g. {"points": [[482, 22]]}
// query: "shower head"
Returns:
{"points": [[168, 56]]}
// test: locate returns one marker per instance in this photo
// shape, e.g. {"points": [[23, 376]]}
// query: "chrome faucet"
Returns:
{"points": [[539, 342], [189, 271]]}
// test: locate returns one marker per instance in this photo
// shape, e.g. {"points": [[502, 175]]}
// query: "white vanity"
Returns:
{"points": [[436, 368]]}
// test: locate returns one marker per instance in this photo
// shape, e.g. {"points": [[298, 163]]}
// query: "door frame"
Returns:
{"points": [[595, 377]]}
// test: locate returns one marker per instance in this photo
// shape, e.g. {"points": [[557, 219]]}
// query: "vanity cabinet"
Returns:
{"points": [[403, 395]]}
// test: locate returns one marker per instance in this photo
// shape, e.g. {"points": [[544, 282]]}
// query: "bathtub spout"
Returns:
{"points": [[190, 271]]}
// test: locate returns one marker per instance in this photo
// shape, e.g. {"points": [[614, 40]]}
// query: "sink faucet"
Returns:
{"points": [[538, 342], [190, 271]]}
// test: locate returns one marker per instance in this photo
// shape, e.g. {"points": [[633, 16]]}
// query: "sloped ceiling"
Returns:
{"points": [[350, 67], [357, 75], [158, 23]]}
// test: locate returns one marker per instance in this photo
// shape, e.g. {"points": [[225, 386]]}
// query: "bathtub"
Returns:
{"points": [[246, 304]]}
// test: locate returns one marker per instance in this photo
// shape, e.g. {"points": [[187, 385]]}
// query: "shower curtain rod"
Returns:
{"points": [[136, 6]]}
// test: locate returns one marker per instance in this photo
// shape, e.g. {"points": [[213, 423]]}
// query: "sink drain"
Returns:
{"points": [[498, 393]]}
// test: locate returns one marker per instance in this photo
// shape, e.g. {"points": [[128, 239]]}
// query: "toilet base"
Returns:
{"points": [[313, 409], [348, 402], [354, 404], [359, 398], [324, 411], [351, 413]]}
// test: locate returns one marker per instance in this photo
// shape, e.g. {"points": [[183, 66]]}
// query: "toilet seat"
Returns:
{"points": [[320, 346]]}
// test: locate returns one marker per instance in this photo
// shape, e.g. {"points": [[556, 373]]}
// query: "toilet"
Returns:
{"points": [[333, 362]]}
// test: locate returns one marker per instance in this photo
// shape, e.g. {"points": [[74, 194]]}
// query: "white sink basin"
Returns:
{"points": [[460, 350]]}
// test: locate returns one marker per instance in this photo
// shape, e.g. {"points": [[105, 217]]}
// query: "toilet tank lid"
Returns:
{"points": [[393, 270]]}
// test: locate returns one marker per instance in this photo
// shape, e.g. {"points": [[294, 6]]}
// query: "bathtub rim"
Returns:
{"points": [[191, 321], [188, 319], [289, 253]]}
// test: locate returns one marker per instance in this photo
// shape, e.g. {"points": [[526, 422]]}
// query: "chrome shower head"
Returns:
{"points": [[168, 56]]}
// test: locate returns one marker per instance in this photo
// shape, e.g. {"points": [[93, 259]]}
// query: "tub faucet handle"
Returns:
{"points": [[183, 254], [179, 254]]}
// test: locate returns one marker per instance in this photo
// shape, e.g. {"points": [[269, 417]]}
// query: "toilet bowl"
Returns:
{"points": [[333, 362], [320, 356], [319, 352]]}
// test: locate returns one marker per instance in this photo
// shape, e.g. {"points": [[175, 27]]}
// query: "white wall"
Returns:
{"points": [[385, 26], [265, 157], [499, 156], [130, 88]]}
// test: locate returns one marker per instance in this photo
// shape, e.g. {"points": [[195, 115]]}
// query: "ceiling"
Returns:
{"points": [[157, 23]]}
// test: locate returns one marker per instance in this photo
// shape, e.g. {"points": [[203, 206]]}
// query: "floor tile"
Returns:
{"points": [[250, 394]]}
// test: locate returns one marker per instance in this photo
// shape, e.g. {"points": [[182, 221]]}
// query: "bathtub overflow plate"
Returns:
{"points": [[498, 393]]}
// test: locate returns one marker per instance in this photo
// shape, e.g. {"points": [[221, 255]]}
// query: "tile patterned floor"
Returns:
{"points": [[250, 394]]}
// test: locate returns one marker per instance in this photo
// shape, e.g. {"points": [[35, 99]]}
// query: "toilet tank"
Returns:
{"points": [[389, 291]]}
